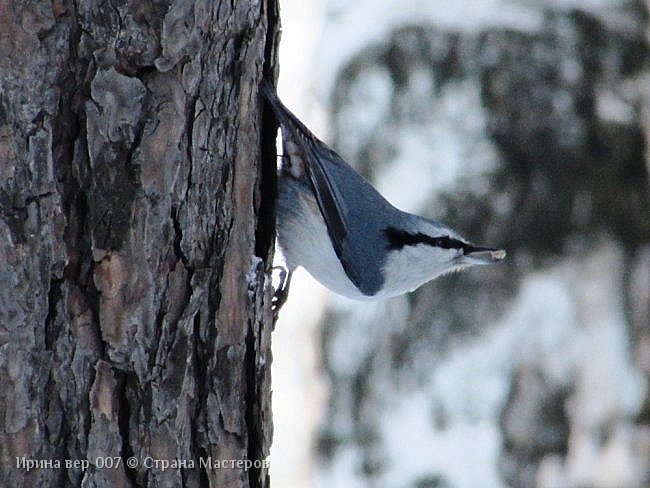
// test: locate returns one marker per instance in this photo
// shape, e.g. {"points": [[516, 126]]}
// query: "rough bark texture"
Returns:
{"points": [[134, 241]]}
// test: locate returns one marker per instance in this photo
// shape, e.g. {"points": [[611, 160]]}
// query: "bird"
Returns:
{"points": [[336, 225]]}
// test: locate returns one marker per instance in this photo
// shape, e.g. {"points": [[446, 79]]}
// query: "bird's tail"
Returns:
{"points": [[285, 117]]}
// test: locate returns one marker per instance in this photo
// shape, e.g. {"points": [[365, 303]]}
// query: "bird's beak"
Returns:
{"points": [[483, 255]]}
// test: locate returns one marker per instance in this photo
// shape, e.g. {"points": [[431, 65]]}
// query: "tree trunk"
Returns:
{"points": [[136, 237]]}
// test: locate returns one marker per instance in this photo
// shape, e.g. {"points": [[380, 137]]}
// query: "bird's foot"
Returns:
{"points": [[281, 292]]}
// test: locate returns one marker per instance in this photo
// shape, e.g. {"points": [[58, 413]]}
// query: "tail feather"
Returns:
{"points": [[285, 117]]}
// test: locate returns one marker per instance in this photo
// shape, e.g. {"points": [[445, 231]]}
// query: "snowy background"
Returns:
{"points": [[523, 125]]}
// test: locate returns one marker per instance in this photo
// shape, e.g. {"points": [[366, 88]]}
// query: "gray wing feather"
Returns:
{"points": [[354, 212]]}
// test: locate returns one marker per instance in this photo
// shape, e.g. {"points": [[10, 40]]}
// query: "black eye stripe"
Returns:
{"points": [[397, 239]]}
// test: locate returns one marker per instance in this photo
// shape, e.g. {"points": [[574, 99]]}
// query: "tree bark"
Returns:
{"points": [[135, 243]]}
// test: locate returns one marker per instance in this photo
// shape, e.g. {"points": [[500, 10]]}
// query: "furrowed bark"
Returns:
{"points": [[135, 243]]}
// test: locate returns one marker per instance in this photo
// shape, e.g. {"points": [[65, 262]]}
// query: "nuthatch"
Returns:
{"points": [[332, 222]]}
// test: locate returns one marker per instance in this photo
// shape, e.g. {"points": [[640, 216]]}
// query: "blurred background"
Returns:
{"points": [[524, 125]]}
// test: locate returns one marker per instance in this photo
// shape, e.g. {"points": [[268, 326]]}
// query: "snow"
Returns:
{"points": [[613, 107], [338, 473], [367, 106], [437, 155], [417, 452], [567, 320], [352, 26]]}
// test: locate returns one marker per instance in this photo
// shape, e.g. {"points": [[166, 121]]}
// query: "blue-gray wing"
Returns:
{"points": [[355, 216], [354, 212]]}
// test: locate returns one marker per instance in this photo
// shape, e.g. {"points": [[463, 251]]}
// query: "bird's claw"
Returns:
{"points": [[282, 291]]}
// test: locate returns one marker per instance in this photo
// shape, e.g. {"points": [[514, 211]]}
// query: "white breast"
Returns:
{"points": [[304, 241]]}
